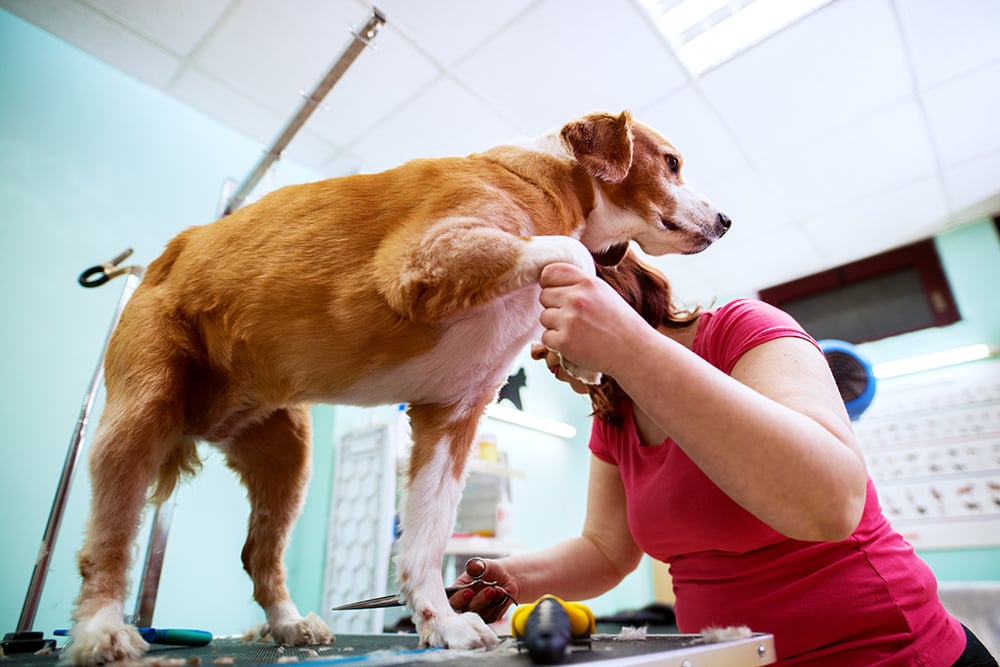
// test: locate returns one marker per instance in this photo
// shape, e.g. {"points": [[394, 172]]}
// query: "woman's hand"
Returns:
{"points": [[585, 320], [489, 601]]}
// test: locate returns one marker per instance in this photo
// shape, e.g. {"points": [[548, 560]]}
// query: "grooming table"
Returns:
{"points": [[387, 649]]}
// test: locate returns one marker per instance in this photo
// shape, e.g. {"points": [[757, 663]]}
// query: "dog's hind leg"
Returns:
{"points": [[273, 459], [441, 440], [134, 440]]}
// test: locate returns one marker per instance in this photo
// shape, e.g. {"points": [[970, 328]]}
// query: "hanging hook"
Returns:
{"points": [[102, 273]]}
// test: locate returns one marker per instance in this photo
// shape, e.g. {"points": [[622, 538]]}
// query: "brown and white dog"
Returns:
{"points": [[418, 285]]}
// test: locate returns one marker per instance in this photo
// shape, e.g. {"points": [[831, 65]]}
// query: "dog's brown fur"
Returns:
{"points": [[416, 285]]}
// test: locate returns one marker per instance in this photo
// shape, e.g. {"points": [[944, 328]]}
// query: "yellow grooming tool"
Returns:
{"points": [[548, 626]]}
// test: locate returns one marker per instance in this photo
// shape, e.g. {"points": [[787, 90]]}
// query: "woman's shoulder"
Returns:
{"points": [[725, 333], [743, 308]]}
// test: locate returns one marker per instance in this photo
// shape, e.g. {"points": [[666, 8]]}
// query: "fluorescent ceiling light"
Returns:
{"points": [[543, 424], [706, 33], [926, 362]]}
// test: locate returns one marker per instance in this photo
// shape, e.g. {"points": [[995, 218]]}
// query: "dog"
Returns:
{"points": [[415, 285]]}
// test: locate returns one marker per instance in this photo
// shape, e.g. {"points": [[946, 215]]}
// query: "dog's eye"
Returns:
{"points": [[673, 163]]}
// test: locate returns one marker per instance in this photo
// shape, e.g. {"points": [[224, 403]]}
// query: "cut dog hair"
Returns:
{"points": [[416, 285]]}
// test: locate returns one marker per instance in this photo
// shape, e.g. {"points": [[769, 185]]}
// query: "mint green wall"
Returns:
{"points": [[971, 259], [92, 162]]}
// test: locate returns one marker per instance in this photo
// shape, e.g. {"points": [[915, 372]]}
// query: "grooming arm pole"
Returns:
{"points": [[362, 38]]}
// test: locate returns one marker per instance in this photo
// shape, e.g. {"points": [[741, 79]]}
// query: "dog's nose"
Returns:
{"points": [[724, 223]]}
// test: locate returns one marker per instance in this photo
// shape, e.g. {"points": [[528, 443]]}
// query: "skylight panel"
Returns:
{"points": [[706, 33]]}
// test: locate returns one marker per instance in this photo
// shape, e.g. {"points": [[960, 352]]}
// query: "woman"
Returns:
{"points": [[722, 447]]}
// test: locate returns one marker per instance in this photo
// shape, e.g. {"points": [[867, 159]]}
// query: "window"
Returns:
{"points": [[888, 294]]}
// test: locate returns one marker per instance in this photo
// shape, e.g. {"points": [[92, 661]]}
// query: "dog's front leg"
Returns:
{"points": [[441, 441], [539, 252]]}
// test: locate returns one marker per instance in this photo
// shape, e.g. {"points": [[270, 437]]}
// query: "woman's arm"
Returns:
{"points": [[575, 569], [774, 436], [593, 563]]}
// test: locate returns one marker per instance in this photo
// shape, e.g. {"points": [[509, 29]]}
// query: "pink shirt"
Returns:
{"points": [[867, 601]]}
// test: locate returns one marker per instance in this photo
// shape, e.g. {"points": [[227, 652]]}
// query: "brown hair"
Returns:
{"points": [[648, 292]]}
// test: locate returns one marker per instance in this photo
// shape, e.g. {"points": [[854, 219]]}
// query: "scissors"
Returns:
{"points": [[394, 599]]}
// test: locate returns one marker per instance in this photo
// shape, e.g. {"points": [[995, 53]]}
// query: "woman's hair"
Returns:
{"points": [[648, 292]]}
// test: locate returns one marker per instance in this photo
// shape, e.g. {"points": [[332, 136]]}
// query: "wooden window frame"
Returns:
{"points": [[921, 256]]}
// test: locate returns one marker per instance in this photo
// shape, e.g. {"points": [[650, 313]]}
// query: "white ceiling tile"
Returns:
{"points": [[228, 106], [561, 60], [692, 126], [750, 203], [344, 163], [93, 32], [435, 124], [877, 223], [381, 80], [764, 260], [972, 182], [835, 66], [272, 50], [950, 38], [883, 150], [175, 25], [964, 113], [449, 29], [309, 151]]}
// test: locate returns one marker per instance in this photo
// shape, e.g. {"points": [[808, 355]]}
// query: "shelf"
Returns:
{"points": [[487, 547], [481, 467]]}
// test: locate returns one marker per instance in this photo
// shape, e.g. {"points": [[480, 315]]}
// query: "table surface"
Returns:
{"points": [[388, 649]]}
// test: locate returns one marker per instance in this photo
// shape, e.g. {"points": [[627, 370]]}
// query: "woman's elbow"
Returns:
{"points": [[843, 526], [838, 519]]}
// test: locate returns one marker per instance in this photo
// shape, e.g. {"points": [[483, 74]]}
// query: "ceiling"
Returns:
{"points": [[867, 125]]}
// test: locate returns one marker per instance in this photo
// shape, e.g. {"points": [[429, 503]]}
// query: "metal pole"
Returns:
{"points": [[30, 607], [153, 567], [362, 38]]}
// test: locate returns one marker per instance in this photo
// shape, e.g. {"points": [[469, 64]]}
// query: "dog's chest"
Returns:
{"points": [[473, 355]]}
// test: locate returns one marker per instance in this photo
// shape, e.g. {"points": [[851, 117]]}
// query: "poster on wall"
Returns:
{"points": [[932, 445]]}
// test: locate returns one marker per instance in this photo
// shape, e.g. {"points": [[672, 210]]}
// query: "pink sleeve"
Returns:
{"points": [[743, 324], [600, 444]]}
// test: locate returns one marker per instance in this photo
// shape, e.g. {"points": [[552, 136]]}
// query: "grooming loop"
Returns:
{"points": [[97, 275]]}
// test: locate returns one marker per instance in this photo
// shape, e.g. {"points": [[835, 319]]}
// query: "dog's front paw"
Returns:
{"points": [[308, 631], [458, 631], [98, 644]]}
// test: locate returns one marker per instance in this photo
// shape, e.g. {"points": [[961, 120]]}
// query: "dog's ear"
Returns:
{"points": [[602, 144]]}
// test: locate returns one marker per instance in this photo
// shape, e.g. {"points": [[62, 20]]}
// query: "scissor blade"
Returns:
{"points": [[372, 603], [386, 601]]}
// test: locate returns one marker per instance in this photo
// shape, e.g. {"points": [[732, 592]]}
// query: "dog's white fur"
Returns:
{"points": [[415, 285]]}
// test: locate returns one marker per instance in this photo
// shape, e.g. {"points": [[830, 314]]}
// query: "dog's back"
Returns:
{"points": [[316, 287]]}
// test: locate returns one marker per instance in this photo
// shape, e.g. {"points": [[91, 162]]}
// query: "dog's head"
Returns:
{"points": [[640, 195]]}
